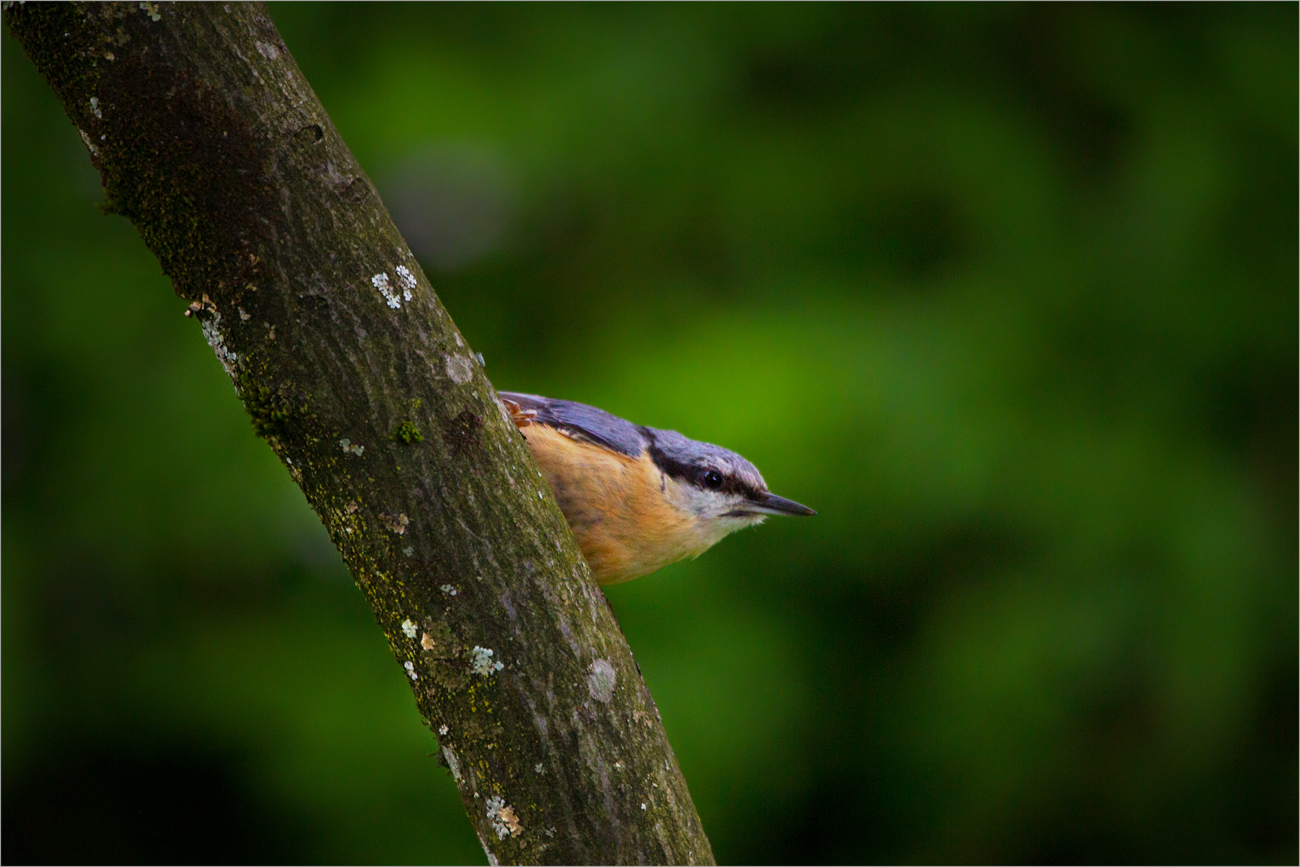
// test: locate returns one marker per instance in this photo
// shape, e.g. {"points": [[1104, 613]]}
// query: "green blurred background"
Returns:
{"points": [[1007, 293]]}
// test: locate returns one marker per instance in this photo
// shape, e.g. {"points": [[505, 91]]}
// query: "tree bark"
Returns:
{"points": [[211, 142]]}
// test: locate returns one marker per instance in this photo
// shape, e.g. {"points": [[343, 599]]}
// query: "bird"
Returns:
{"points": [[639, 498]]}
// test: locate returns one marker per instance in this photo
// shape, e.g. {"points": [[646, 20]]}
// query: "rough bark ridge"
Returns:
{"points": [[210, 140]]}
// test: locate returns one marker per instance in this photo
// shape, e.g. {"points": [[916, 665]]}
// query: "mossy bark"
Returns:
{"points": [[212, 143]]}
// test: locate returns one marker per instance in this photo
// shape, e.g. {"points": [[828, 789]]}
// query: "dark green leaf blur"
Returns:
{"points": [[1008, 293]]}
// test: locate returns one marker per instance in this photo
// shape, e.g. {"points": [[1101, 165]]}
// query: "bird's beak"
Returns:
{"points": [[771, 504]]}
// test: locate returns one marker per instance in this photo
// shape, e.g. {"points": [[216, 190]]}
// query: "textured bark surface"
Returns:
{"points": [[211, 142]]}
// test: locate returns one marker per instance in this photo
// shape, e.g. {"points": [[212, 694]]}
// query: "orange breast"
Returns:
{"points": [[615, 504]]}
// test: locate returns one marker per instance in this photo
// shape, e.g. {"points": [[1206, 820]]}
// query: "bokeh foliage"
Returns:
{"points": [[1008, 293]]}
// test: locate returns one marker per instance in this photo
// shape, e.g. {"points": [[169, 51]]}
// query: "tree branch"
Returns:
{"points": [[211, 142]]}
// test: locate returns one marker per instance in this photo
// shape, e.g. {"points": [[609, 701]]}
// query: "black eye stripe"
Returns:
{"points": [[694, 475]]}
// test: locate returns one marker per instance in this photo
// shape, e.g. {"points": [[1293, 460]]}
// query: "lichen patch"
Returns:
{"points": [[481, 661], [90, 145], [459, 369], [396, 523], [502, 815], [409, 628], [453, 763], [380, 282], [407, 279], [227, 356], [600, 683]]}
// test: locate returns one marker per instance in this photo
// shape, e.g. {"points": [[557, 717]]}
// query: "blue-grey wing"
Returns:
{"points": [[582, 422]]}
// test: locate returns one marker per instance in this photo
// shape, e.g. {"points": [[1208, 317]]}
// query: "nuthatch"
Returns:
{"points": [[639, 498]]}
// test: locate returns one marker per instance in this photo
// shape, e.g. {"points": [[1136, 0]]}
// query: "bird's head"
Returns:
{"points": [[719, 489]]}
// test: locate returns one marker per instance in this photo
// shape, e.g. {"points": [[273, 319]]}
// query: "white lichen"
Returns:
{"points": [[600, 683], [494, 805], [380, 282], [270, 52], [453, 763], [94, 107], [409, 629], [502, 815], [448, 589], [90, 145], [407, 279], [228, 358], [410, 671], [459, 369], [347, 446], [442, 730], [243, 317], [482, 663]]}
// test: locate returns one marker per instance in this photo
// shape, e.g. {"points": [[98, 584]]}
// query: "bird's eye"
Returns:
{"points": [[712, 479]]}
